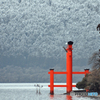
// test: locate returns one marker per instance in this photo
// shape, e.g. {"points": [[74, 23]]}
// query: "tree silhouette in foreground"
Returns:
{"points": [[92, 80], [98, 27]]}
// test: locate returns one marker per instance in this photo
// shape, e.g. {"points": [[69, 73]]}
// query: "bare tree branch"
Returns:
{"points": [[95, 60]]}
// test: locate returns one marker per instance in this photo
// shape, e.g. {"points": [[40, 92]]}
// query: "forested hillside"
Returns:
{"points": [[33, 32]]}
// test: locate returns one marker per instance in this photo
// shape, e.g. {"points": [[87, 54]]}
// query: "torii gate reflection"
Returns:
{"points": [[68, 72], [68, 97]]}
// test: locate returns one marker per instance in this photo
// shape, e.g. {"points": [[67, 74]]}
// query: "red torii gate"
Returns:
{"points": [[68, 72]]}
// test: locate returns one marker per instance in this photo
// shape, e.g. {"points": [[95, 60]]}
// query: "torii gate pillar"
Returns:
{"points": [[69, 66], [68, 72]]}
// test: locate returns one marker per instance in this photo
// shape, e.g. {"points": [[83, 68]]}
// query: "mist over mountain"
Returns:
{"points": [[33, 32]]}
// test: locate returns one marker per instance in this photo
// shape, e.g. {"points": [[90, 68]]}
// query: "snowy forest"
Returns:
{"points": [[33, 33]]}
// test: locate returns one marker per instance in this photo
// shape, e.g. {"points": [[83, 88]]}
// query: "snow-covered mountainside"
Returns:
{"points": [[40, 28]]}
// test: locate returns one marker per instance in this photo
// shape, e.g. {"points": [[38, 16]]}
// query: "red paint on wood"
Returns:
{"points": [[68, 72]]}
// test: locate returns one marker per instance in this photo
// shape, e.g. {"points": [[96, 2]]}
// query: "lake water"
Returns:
{"points": [[27, 91]]}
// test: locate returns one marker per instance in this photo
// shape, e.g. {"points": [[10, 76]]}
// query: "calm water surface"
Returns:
{"points": [[27, 91]]}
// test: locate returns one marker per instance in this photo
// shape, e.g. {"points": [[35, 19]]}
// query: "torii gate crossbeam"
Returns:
{"points": [[68, 72]]}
